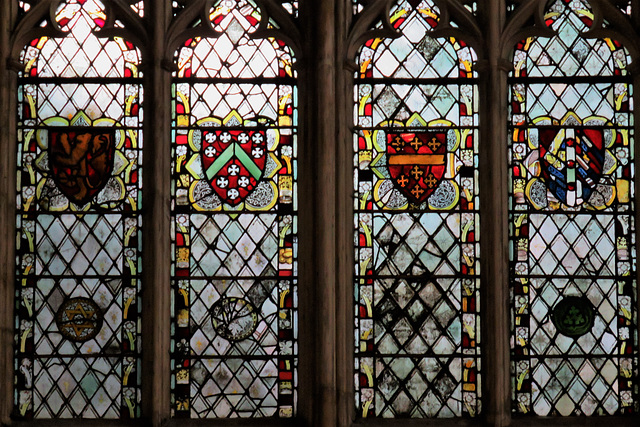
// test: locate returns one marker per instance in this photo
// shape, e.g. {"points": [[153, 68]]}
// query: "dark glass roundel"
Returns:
{"points": [[79, 319], [573, 316], [234, 318]]}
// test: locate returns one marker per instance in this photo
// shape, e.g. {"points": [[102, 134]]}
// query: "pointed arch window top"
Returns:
{"points": [[416, 54], [570, 53], [235, 53], [82, 53]]}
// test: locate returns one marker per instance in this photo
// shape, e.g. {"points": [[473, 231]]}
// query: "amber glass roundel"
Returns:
{"points": [[79, 319]]}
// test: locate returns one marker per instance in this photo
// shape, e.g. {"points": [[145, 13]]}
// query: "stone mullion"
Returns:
{"points": [[345, 233], [8, 85], [156, 228], [494, 236], [323, 142], [326, 231]]}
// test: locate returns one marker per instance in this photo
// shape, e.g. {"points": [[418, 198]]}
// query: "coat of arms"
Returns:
{"points": [[233, 161], [572, 162], [81, 160], [417, 162]]}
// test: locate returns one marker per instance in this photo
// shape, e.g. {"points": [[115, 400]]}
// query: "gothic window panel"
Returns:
{"points": [[234, 203], [571, 212], [77, 306], [416, 218]]}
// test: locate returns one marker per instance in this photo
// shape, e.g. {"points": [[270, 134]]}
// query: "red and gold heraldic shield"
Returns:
{"points": [[416, 162], [81, 160]]}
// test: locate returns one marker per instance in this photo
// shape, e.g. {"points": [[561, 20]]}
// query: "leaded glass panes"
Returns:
{"points": [[79, 183], [416, 223], [138, 7], [572, 222], [23, 7], [234, 345], [291, 7], [625, 7]]}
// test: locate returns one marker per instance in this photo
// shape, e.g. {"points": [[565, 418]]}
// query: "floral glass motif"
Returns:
{"points": [[416, 198], [234, 334], [78, 225], [572, 225]]}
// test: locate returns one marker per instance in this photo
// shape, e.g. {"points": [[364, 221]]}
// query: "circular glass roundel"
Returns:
{"points": [[234, 318], [573, 316], [79, 319]]}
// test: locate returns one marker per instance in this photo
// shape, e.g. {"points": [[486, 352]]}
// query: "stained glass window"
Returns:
{"points": [[416, 218], [78, 241], [234, 348], [572, 222], [291, 7]]}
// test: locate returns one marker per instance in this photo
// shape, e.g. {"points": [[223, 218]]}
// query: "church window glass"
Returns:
{"points": [[416, 217], [234, 202], [77, 305], [572, 231]]}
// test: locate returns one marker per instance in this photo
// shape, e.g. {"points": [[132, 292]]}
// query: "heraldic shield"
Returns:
{"points": [[417, 162], [572, 162], [81, 160], [233, 161]]}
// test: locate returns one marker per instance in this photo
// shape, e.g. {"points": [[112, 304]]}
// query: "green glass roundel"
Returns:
{"points": [[573, 316]]}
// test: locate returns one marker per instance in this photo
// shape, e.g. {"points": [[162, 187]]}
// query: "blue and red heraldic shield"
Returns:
{"points": [[572, 162]]}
